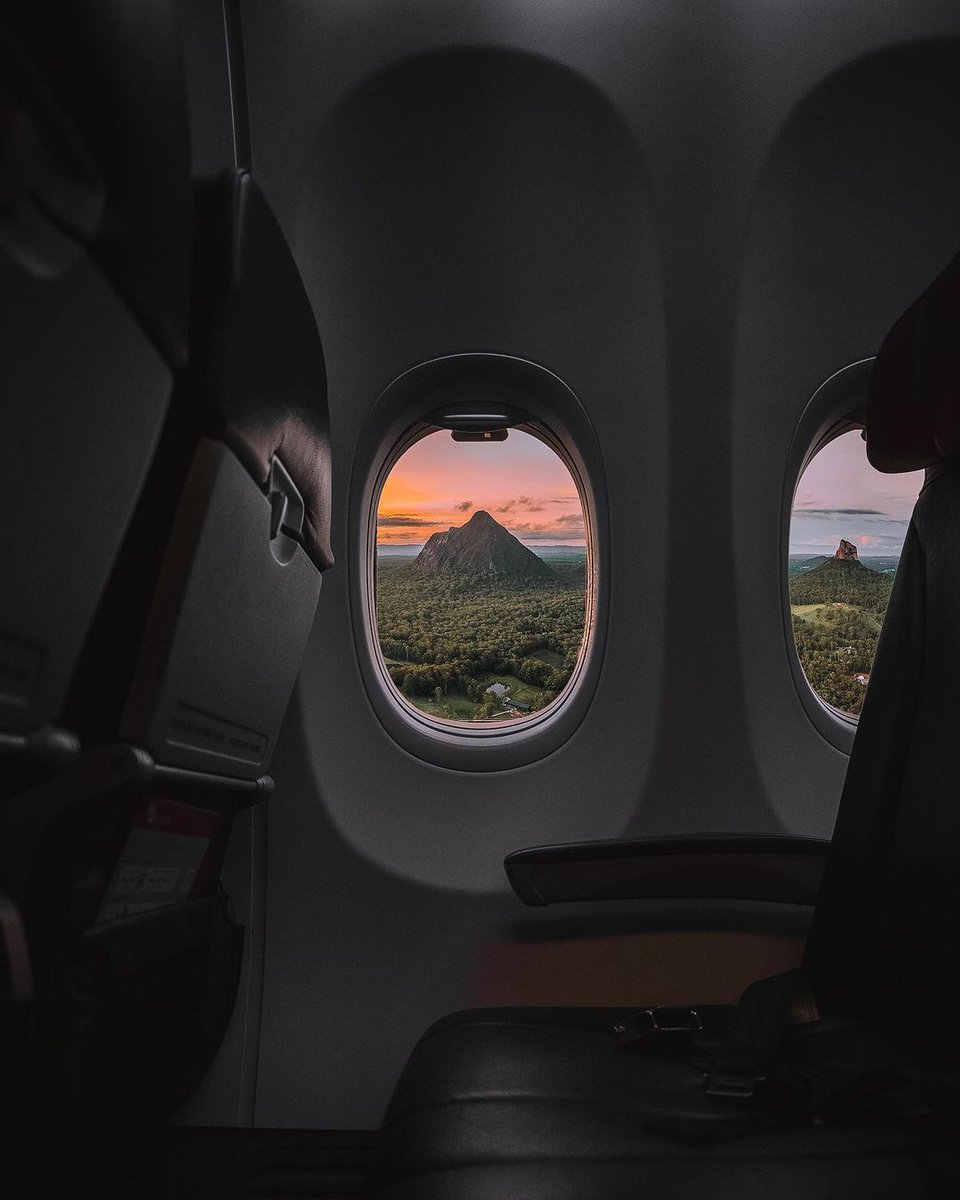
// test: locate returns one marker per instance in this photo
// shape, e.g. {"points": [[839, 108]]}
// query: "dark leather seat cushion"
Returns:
{"points": [[543, 1104]]}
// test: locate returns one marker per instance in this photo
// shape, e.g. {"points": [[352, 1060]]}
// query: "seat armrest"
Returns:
{"points": [[784, 870]]}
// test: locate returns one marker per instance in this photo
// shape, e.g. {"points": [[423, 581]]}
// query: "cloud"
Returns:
{"points": [[568, 525], [829, 514], [527, 503], [884, 541], [402, 521], [463, 506], [864, 539]]}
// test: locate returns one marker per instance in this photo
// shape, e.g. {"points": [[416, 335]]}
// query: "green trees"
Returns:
{"points": [[836, 642], [842, 606], [833, 651], [836, 581], [457, 632], [447, 637]]}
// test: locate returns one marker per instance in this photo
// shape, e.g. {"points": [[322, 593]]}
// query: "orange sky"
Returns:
{"points": [[439, 483]]}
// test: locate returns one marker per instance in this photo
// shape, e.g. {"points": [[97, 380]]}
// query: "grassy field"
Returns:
{"points": [[817, 614], [455, 706]]}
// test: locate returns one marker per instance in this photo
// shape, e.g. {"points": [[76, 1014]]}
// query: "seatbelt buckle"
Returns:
{"points": [[732, 1084], [648, 1021]]}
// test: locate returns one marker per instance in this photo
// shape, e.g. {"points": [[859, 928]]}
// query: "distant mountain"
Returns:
{"points": [[842, 579], [561, 551], [798, 563], [403, 548], [886, 563], [482, 546]]}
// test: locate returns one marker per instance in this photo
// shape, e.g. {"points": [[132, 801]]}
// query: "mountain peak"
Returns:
{"points": [[842, 579], [482, 517], [481, 546]]}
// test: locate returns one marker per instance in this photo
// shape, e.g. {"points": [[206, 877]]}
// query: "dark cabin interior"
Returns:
{"points": [[309, 885]]}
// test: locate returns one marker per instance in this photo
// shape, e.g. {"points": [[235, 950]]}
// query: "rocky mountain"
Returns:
{"points": [[842, 579], [482, 546]]}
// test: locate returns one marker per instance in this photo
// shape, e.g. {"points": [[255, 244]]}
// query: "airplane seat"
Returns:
{"points": [[840, 1080], [883, 933], [198, 640], [180, 692], [94, 282]]}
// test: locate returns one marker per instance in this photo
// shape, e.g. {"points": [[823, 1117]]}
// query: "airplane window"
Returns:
{"points": [[846, 533], [481, 576]]}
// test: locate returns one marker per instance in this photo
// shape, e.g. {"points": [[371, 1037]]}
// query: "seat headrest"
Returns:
{"points": [[100, 86], [913, 402], [262, 359]]}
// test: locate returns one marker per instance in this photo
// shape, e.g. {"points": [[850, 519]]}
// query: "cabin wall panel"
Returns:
{"points": [[854, 214], [693, 255], [499, 235]]}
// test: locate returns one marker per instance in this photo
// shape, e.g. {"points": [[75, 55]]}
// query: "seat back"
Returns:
{"points": [[181, 690], [199, 639], [94, 278], [883, 943]]}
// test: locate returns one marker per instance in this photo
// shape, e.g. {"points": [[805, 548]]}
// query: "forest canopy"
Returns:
{"points": [[448, 637], [838, 609]]}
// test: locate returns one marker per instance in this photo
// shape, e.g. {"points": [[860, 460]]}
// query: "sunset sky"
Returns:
{"points": [[521, 482], [439, 483], [842, 496]]}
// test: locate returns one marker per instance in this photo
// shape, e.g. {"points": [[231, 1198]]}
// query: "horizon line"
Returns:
{"points": [[529, 545]]}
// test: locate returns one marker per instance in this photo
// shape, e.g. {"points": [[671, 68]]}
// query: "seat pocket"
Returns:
{"points": [[141, 1008]]}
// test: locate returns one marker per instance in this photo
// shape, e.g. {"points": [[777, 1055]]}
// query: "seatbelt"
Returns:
{"points": [[749, 1040], [733, 1060], [752, 1039], [757, 1078]]}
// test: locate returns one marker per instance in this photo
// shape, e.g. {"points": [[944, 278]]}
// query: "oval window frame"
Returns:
{"points": [[407, 410], [838, 406]]}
